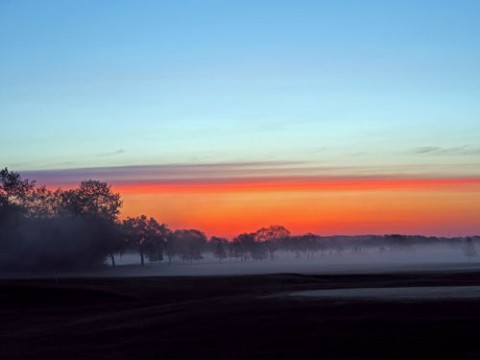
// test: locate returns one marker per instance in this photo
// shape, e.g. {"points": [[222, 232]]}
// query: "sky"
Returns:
{"points": [[324, 116]]}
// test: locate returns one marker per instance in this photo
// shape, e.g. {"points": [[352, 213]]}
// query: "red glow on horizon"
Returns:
{"points": [[297, 184], [326, 206], [444, 207]]}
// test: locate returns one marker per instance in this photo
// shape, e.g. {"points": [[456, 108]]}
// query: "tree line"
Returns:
{"points": [[80, 228]]}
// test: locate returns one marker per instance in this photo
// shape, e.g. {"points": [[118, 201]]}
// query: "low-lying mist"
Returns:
{"points": [[417, 258], [452, 256], [431, 257]]}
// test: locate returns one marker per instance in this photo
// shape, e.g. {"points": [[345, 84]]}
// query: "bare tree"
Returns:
{"points": [[244, 244], [190, 244], [219, 247], [271, 237], [147, 236]]}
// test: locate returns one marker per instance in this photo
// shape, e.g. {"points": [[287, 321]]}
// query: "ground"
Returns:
{"points": [[234, 317]]}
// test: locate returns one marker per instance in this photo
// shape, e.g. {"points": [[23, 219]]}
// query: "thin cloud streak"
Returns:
{"points": [[165, 171], [112, 153], [257, 176], [437, 150]]}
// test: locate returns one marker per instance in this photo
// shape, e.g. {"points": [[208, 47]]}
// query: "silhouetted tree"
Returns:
{"points": [[44, 229], [147, 236], [245, 244], [158, 234], [273, 232], [271, 237], [308, 244], [219, 247], [190, 244], [172, 247], [235, 250], [259, 251], [14, 192], [92, 199], [99, 207], [399, 241], [44, 203]]}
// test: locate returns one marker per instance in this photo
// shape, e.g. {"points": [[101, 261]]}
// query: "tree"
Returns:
{"points": [[258, 251], [93, 199], [309, 243], [244, 244], [219, 248], [190, 244], [273, 232], [157, 236], [99, 207], [44, 203], [147, 236], [235, 250], [399, 241], [14, 192], [171, 247], [56, 230], [271, 236]]}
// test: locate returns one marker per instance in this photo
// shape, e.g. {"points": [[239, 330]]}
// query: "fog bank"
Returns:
{"points": [[434, 257]]}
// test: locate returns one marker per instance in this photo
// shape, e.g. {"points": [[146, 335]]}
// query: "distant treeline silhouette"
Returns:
{"points": [[79, 229]]}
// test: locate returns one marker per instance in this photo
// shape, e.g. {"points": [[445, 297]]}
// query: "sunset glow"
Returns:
{"points": [[443, 207]]}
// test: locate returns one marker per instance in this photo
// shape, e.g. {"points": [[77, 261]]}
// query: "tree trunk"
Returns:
{"points": [[113, 259], [142, 258]]}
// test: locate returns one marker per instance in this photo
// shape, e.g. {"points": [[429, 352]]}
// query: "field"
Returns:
{"points": [[237, 317]]}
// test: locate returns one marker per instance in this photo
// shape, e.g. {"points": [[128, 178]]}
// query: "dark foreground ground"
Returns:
{"points": [[237, 317]]}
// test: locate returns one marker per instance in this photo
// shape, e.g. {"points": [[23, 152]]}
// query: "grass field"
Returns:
{"points": [[235, 317]]}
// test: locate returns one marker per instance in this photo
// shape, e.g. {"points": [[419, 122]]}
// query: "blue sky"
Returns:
{"points": [[374, 84]]}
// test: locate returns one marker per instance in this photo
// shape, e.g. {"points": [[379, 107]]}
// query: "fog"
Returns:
{"points": [[368, 260], [434, 257], [419, 258]]}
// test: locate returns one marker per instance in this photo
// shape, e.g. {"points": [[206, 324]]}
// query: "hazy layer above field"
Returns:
{"points": [[370, 261]]}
